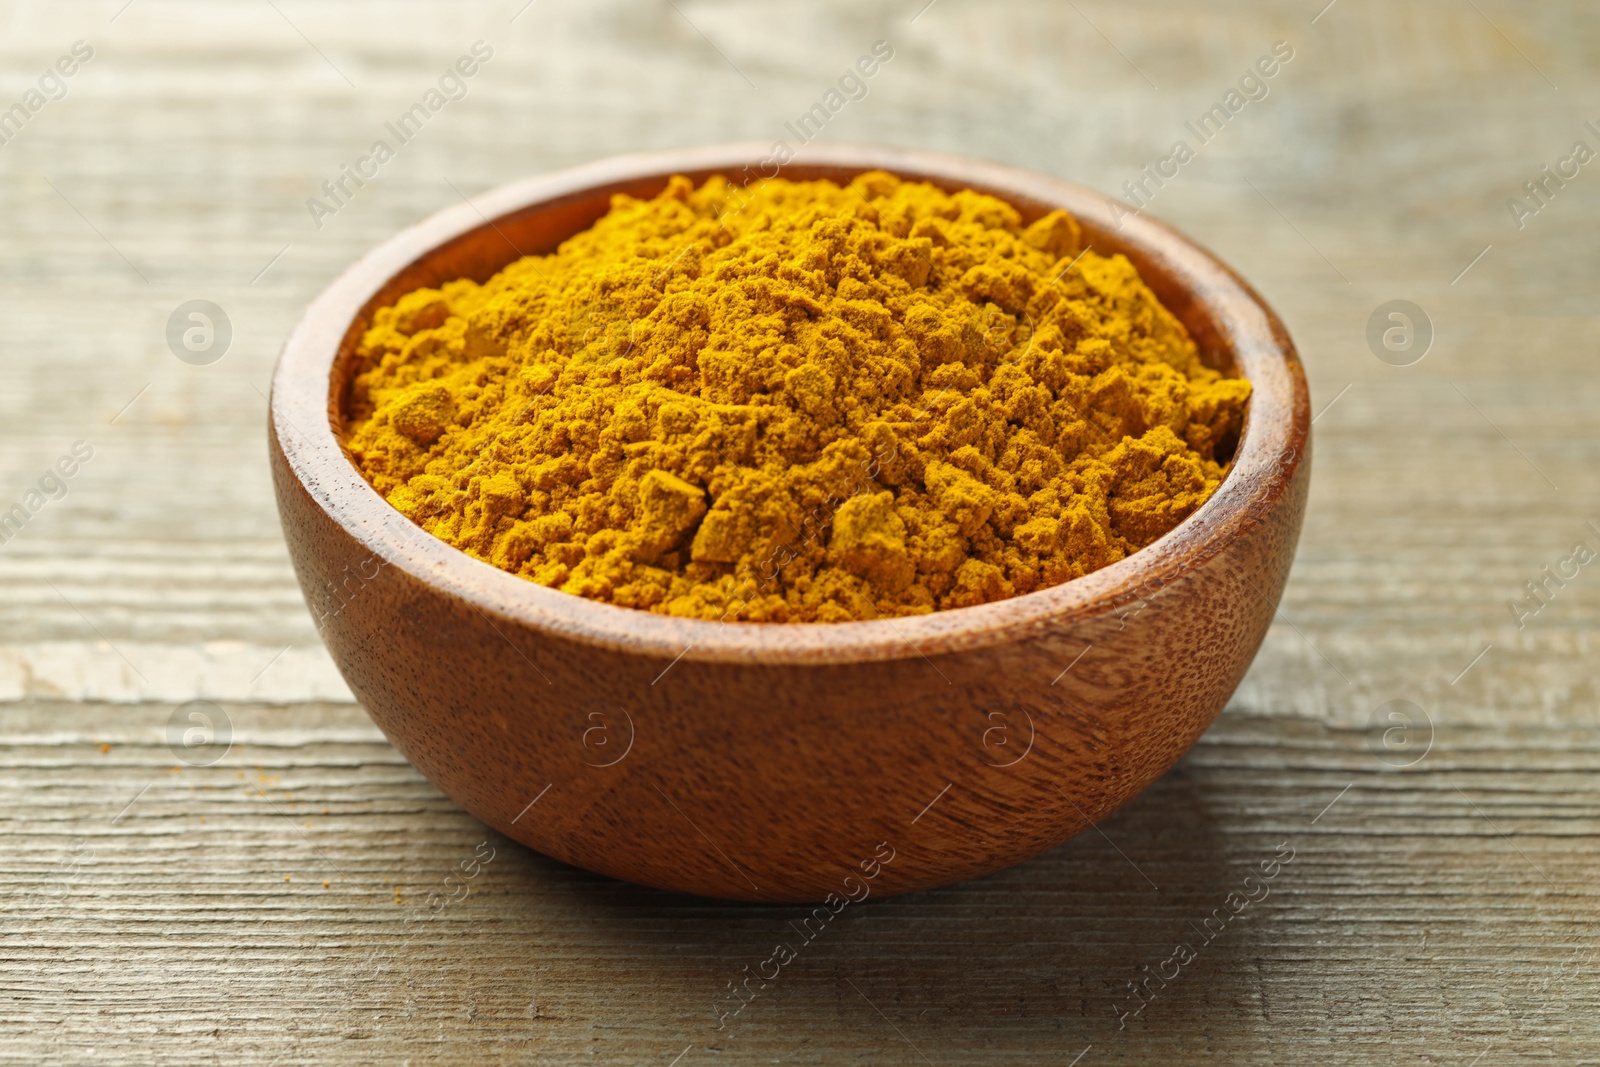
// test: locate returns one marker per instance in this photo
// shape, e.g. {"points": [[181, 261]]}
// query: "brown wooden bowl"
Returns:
{"points": [[786, 762]]}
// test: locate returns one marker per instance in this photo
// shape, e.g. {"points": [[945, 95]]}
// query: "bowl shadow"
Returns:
{"points": [[1038, 955]]}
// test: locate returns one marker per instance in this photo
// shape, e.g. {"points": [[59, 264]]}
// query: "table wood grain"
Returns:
{"points": [[309, 898]]}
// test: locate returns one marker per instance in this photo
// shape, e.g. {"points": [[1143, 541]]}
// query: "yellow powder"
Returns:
{"points": [[796, 402]]}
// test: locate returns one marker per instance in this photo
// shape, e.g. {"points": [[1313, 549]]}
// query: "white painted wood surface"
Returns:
{"points": [[154, 912]]}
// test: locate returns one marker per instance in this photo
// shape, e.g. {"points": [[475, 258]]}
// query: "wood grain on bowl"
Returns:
{"points": [[787, 762]]}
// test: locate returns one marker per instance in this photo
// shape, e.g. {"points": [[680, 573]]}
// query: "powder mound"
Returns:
{"points": [[796, 402]]}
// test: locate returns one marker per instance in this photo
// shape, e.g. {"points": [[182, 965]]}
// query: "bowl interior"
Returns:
{"points": [[1232, 327], [539, 228]]}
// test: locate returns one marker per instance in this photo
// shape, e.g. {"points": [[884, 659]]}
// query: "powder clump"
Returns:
{"points": [[796, 402]]}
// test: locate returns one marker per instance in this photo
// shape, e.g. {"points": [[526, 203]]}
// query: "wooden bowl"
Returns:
{"points": [[786, 762]]}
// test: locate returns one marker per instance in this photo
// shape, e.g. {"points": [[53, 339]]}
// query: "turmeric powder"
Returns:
{"points": [[796, 402]]}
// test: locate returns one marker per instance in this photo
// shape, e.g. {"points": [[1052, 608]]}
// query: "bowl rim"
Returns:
{"points": [[1272, 444]]}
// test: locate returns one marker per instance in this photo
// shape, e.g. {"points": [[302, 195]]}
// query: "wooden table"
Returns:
{"points": [[274, 906]]}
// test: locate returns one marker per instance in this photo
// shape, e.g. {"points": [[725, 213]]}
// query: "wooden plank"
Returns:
{"points": [[1426, 912]]}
